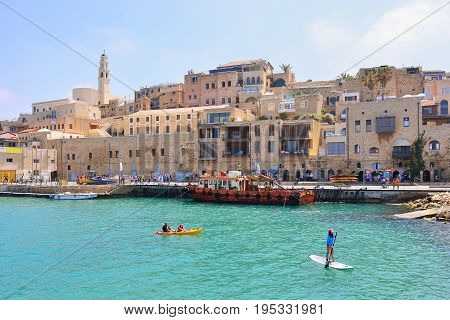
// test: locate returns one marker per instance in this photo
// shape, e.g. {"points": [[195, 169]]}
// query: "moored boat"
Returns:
{"points": [[73, 196], [234, 188], [344, 178]]}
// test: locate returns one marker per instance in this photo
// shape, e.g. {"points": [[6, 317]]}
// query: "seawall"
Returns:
{"points": [[322, 194]]}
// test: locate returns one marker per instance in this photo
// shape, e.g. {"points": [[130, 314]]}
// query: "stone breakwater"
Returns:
{"points": [[437, 207]]}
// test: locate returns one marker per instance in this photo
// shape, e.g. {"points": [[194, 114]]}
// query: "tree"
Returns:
{"points": [[345, 75], [263, 117], [283, 116], [417, 163], [285, 67], [370, 81], [383, 75]]}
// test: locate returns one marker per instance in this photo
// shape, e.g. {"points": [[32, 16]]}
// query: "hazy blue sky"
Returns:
{"points": [[151, 42]]}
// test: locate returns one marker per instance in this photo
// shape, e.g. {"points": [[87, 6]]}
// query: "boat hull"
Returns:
{"points": [[75, 196], [274, 197], [179, 233]]}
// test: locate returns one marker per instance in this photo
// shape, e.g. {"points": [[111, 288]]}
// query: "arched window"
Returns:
{"points": [[374, 150], [258, 79], [356, 148], [444, 107], [344, 131], [248, 80], [434, 145], [253, 80]]}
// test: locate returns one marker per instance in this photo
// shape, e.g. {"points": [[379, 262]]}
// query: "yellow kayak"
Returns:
{"points": [[179, 233]]}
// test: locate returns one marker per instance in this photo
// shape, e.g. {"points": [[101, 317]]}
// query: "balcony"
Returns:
{"points": [[238, 133], [250, 89], [302, 152], [296, 132]]}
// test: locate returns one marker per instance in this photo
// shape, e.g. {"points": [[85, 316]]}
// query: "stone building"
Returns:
{"points": [[435, 107], [159, 97], [19, 162]]}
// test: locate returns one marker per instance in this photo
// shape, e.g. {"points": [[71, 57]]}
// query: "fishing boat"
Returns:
{"points": [[235, 188], [73, 196]]}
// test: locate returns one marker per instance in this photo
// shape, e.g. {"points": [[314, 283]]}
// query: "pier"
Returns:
{"points": [[323, 192]]}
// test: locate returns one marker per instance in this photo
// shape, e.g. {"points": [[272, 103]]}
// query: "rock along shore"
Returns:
{"points": [[432, 207]]}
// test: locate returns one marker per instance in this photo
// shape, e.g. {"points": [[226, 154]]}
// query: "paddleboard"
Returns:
{"points": [[334, 265]]}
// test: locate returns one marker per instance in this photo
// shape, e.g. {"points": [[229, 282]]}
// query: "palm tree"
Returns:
{"points": [[383, 75], [285, 67], [370, 81]]}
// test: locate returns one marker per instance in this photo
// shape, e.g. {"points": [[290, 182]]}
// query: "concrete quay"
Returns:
{"points": [[323, 192]]}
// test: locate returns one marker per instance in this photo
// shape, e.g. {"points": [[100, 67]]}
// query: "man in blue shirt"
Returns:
{"points": [[330, 247]]}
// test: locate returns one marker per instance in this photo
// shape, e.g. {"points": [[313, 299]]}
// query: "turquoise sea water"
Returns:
{"points": [[105, 249]]}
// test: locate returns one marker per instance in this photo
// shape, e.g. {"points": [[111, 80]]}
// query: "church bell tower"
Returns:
{"points": [[103, 80]]}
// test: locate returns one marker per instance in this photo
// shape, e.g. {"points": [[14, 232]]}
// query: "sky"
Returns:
{"points": [[158, 41]]}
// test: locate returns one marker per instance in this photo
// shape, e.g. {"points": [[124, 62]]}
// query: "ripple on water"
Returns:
{"points": [[245, 252]]}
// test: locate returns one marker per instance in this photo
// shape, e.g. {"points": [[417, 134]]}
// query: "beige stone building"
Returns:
{"points": [[19, 162]]}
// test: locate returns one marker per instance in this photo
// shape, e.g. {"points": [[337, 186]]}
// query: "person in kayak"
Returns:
{"points": [[166, 228], [180, 228], [330, 247]]}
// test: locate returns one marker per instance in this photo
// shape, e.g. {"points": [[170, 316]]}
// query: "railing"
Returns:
{"points": [[401, 154], [240, 153], [296, 153]]}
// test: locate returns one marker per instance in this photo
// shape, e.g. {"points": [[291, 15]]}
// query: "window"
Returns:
{"points": [[188, 117], [444, 107], [223, 100], [69, 167], [117, 154], [207, 86], [178, 117], [357, 148], [229, 83], [406, 122], [153, 152], [70, 126], [130, 153], [271, 147], [218, 117], [357, 126], [257, 147], [374, 150], [213, 102], [253, 80], [434, 145], [110, 154], [162, 152], [377, 166], [385, 124], [167, 118], [147, 130], [178, 128], [73, 156], [131, 120], [207, 102], [304, 104], [137, 120], [157, 129], [445, 90], [271, 130], [188, 128], [68, 156], [131, 131], [157, 118], [9, 160], [183, 152], [368, 125], [194, 79], [213, 85], [229, 99], [350, 98], [88, 167], [167, 129], [138, 153], [137, 130], [223, 84], [248, 80], [147, 119], [335, 148], [257, 131], [90, 155], [258, 80]]}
